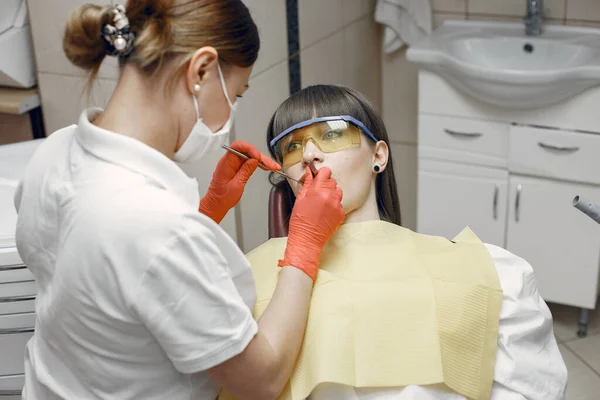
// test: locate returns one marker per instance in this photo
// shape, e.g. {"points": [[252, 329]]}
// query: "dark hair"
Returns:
{"points": [[165, 30], [328, 100]]}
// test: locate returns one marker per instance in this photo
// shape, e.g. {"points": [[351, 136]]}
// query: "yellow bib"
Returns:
{"points": [[392, 308]]}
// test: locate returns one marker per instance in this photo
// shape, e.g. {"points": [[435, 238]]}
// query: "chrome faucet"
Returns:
{"points": [[534, 19]]}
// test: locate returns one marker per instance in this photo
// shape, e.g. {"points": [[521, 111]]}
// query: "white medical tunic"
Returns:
{"points": [[528, 364], [139, 293]]}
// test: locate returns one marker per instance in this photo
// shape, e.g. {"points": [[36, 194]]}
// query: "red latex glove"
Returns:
{"points": [[317, 214], [230, 178]]}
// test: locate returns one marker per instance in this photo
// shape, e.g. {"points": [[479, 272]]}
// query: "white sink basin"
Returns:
{"points": [[496, 63]]}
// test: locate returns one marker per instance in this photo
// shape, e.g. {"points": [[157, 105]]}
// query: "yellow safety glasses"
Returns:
{"points": [[328, 134]]}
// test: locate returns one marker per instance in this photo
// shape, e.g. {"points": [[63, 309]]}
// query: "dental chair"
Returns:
{"points": [[280, 209]]}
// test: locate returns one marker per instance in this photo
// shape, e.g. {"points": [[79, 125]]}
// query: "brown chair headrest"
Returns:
{"points": [[280, 209]]}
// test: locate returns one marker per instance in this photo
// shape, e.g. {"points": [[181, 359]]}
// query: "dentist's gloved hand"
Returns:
{"points": [[317, 214], [230, 178]]}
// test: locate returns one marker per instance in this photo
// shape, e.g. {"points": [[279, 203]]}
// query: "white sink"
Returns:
{"points": [[496, 63]]}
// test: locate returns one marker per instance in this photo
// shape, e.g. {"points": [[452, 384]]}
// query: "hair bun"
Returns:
{"points": [[151, 22], [82, 41]]}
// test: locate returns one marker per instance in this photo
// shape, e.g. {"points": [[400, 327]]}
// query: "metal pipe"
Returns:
{"points": [[534, 24], [589, 209]]}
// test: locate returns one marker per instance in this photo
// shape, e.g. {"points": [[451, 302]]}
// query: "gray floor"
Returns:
{"points": [[582, 355]]}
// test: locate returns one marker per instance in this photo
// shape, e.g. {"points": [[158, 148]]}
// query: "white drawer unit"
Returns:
{"points": [[473, 196], [564, 155], [17, 297], [512, 175], [14, 273], [463, 140], [11, 386], [15, 332], [17, 286]]}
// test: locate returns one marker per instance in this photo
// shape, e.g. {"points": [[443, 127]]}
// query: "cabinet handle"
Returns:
{"points": [[518, 203], [557, 147], [496, 190], [463, 134], [12, 267], [10, 393], [12, 331], [14, 299]]}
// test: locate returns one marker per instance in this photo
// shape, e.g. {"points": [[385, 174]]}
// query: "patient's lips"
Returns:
{"points": [[313, 169]]}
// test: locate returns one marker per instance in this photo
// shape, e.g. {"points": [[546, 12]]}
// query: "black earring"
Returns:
{"points": [[376, 169]]}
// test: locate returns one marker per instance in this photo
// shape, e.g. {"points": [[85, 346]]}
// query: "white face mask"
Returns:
{"points": [[201, 139]]}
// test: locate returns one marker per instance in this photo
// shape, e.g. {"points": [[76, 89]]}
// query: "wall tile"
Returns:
{"points": [[324, 61], [267, 91], [353, 10], [457, 6], [400, 96], [64, 97], [583, 9], [587, 24], [511, 18], [48, 19], [553, 8], [362, 45], [405, 169], [270, 17], [495, 17], [318, 19]]}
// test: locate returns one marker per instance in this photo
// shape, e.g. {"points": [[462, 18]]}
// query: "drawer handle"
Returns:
{"points": [[496, 190], [12, 331], [7, 393], [12, 267], [14, 299], [518, 203], [463, 134], [558, 148]]}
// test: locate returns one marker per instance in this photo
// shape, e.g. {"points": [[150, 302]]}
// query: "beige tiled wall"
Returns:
{"points": [[339, 44], [62, 86], [399, 77]]}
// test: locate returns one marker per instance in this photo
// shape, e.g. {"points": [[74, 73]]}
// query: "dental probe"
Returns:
{"points": [[312, 168], [259, 163]]}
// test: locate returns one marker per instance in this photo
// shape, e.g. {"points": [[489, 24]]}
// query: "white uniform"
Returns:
{"points": [[528, 366], [139, 293]]}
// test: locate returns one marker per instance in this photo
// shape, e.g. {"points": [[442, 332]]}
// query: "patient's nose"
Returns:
{"points": [[311, 153]]}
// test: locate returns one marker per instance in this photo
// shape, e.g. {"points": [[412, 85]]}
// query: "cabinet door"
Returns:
{"points": [[561, 243], [462, 196]]}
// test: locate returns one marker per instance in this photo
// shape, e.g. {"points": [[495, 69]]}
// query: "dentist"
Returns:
{"points": [[140, 295]]}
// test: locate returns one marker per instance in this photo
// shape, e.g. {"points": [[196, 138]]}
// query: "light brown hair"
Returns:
{"points": [[165, 30], [330, 100]]}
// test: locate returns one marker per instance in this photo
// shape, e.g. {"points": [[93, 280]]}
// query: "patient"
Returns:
{"points": [[396, 314]]}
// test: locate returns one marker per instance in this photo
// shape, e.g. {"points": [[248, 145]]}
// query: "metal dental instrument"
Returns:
{"points": [[312, 168], [259, 163]]}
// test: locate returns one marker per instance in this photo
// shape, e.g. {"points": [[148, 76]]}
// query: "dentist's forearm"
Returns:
{"points": [[284, 321], [262, 370]]}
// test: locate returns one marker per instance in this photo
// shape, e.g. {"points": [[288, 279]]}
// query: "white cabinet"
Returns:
{"points": [[451, 196], [512, 182], [561, 243]]}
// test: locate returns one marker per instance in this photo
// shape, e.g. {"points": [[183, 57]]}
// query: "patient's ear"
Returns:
{"points": [[380, 155]]}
